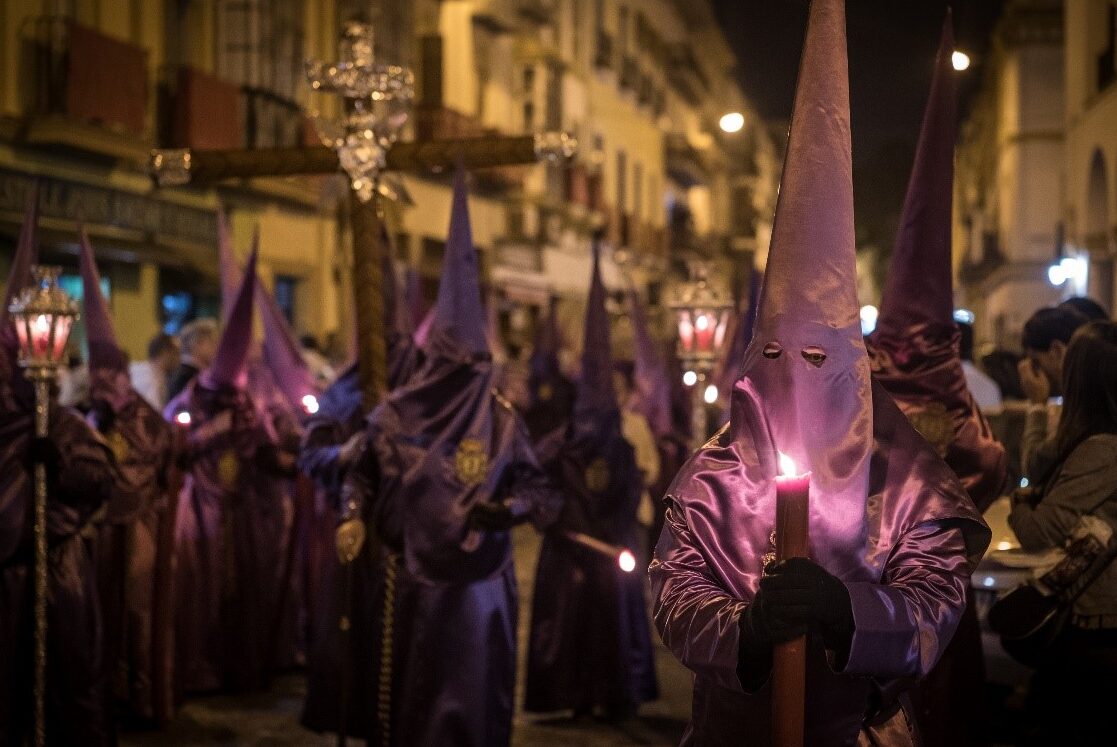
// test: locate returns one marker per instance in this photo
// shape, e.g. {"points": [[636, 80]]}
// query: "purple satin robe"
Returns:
{"points": [[590, 640], [440, 445], [130, 591], [76, 687], [906, 565], [223, 587]]}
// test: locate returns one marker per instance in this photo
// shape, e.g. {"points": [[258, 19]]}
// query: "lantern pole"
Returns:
{"points": [[43, 314]]}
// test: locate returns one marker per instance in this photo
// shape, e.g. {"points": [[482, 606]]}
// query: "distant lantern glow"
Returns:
{"points": [[710, 395], [1004, 545], [787, 465], [310, 403], [869, 315], [1070, 269], [732, 122], [183, 418], [960, 60], [964, 316], [627, 561], [690, 378]]}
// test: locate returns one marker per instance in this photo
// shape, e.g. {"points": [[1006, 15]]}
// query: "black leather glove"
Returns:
{"points": [[103, 415], [492, 517], [42, 450], [800, 594]]}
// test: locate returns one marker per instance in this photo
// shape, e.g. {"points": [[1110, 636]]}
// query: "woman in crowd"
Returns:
{"points": [[1072, 688]]}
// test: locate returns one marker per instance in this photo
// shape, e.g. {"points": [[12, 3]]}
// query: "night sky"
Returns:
{"points": [[892, 46]]}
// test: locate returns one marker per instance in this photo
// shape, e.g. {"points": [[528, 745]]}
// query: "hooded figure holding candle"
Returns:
{"points": [[914, 354], [447, 470], [81, 477], [590, 642], [225, 597], [893, 537], [551, 394], [134, 599]]}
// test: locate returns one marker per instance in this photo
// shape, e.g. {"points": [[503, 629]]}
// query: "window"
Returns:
{"points": [[528, 92], [285, 288], [638, 190]]}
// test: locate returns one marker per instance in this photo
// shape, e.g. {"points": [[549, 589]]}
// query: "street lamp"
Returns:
{"points": [[701, 315], [960, 60], [43, 314], [731, 122]]}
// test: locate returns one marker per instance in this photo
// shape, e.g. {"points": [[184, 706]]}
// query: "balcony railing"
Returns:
{"points": [[86, 76]]}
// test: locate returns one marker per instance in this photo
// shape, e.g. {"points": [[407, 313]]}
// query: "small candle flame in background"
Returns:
{"points": [[310, 403], [627, 561], [183, 418], [787, 466]]}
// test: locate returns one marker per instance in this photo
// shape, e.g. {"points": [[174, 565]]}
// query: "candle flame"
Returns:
{"points": [[787, 465], [627, 561], [183, 418], [310, 403]]}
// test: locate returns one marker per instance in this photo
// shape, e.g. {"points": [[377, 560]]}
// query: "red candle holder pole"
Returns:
{"points": [[789, 659]]}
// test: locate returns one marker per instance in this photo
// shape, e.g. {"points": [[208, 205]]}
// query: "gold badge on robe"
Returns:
{"points": [[933, 423], [597, 475], [471, 462], [118, 445], [228, 468]]}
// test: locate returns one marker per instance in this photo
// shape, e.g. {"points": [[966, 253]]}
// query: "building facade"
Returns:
{"points": [[1008, 207], [1090, 198], [88, 87]]}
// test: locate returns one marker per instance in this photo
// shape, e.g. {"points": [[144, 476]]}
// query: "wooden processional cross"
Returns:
{"points": [[362, 149]]}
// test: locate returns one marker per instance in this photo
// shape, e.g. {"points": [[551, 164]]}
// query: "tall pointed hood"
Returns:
{"points": [[228, 271], [544, 363], [281, 351], [918, 287], [26, 255], [228, 367], [650, 374], [104, 351], [14, 388], [807, 360], [914, 349], [459, 320], [596, 396]]}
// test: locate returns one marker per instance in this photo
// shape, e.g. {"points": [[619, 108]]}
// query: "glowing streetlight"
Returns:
{"points": [[690, 378], [960, 60], [732, 122], [711, 394]]}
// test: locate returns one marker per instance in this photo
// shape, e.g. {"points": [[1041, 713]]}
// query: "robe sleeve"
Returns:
{"points": [[87, 472], [319, 453], [903, 623], [533, 497], [697, 619]]}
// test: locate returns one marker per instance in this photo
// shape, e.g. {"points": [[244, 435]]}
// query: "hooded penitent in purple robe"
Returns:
{"points": [[224, 590], [889, 521], [278, 380], [78, 486], [914, 355], [443, 449], [590, 642], [551, 394], [340, 417], [653, 389], [137, 650]]}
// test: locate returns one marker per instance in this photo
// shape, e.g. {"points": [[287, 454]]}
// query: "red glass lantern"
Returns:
{"points": [[43, 315], [702, 315]]}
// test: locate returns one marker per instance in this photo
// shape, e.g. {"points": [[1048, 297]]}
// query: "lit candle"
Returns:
{"points": [[704, 329], [310, 403], [789, 659]]}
